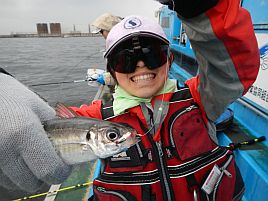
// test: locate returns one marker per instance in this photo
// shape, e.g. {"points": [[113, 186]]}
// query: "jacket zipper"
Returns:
{"points": [[158, 152], [157, 146], [163, 170], [224, 171]]}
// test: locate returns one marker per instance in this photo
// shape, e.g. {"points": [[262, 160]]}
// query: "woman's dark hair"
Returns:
{"points": [[112, 72]]}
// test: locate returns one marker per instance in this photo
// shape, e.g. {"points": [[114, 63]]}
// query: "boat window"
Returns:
{"points": [[165, 22], [187, 63]]}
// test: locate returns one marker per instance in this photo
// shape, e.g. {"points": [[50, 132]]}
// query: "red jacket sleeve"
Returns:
{"points": [[226, 49], [93, 110]]}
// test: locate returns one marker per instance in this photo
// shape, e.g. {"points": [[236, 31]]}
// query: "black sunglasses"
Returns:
{"points": [[125, 61]]}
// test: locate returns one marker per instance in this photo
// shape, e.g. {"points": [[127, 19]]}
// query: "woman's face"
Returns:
{"points": [[144, 82], [104, 33]]}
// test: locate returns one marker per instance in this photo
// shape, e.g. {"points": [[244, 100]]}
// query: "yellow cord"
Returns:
{"points": [[52, 192]]}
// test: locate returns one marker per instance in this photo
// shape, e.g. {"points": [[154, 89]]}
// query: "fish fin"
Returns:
{"points": [[63, 111]]}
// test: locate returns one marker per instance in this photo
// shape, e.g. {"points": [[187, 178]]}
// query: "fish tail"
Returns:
{"points": [[63, 111]]}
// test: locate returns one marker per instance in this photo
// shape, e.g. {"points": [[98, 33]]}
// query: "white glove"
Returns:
{"points": [[27, 157]]}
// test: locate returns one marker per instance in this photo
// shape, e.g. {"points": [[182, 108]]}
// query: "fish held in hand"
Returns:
{"points": [[81, 139]]}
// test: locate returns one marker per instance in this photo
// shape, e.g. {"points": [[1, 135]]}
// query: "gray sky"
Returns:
{"points": [[19, 16]]}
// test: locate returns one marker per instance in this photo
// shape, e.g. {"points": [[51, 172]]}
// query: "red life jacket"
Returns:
{"points": [[184, 165]]}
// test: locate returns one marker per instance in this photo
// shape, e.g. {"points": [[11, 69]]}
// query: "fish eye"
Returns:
{"points": [[112, 134]]}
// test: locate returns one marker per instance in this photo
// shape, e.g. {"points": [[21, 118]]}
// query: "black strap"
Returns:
{"points": [[191, 182], [183, 93], [107, 110], [191, 8], [147, 193], [92, 198]]}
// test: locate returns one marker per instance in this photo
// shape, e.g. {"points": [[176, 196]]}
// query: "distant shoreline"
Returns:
{"points": [[65, 35]]}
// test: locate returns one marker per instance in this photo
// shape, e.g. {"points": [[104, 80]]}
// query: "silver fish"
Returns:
{"points": [[81, 139]]}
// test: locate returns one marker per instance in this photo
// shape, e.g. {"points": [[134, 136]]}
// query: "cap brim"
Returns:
{"points": [[95, 31], [139, 34]]}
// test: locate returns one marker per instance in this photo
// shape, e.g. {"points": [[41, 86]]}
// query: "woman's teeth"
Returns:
{"points": [[143, 77]]}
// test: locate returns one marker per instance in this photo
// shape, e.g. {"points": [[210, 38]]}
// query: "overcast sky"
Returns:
{"points": [[19, 16]]}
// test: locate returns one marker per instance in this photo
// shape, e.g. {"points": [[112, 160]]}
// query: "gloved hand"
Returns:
{"points": [[105, 79], [100, 79], [27, 157]]}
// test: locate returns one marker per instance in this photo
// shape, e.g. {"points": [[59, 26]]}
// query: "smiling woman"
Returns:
{"points": [[138, 56], [178, 147]]}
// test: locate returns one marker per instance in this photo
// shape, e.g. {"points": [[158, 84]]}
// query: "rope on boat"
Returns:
{"points": [[53, 192]]}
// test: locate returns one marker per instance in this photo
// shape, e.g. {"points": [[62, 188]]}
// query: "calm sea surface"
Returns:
{"points": [[45, 60]]}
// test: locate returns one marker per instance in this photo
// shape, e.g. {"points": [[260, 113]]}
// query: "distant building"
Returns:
{"points": [[55, 29], [42, 29]]}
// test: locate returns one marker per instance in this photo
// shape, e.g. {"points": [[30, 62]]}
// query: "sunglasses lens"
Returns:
{"points": [[125, 61], [156, 56], [122, 62]]}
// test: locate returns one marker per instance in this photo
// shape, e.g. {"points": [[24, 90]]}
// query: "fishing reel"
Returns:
{"points": [[93, 76], [99, 76]]}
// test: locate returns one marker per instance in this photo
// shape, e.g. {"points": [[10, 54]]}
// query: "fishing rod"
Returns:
{"points": [[89, 79], [53, 192], [234, 146], [93, 74]]}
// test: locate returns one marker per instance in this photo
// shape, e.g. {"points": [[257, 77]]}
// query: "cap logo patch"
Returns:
{"points": [[132, 23]]}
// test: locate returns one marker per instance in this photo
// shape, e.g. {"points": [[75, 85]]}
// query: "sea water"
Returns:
{"points": [[36, 61]]}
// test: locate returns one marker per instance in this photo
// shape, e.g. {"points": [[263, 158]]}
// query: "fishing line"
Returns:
{"points": [[77, 186], [160, 109], [73, 67], [63, 82], [2, 66]]}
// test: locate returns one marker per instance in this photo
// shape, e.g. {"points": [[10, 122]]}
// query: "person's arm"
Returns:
{"points": [[93, 110], [27, 158], [226, 49]]}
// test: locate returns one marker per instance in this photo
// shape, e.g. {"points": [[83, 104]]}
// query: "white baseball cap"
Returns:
{"points": [[105, 22], [132, 26]]}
